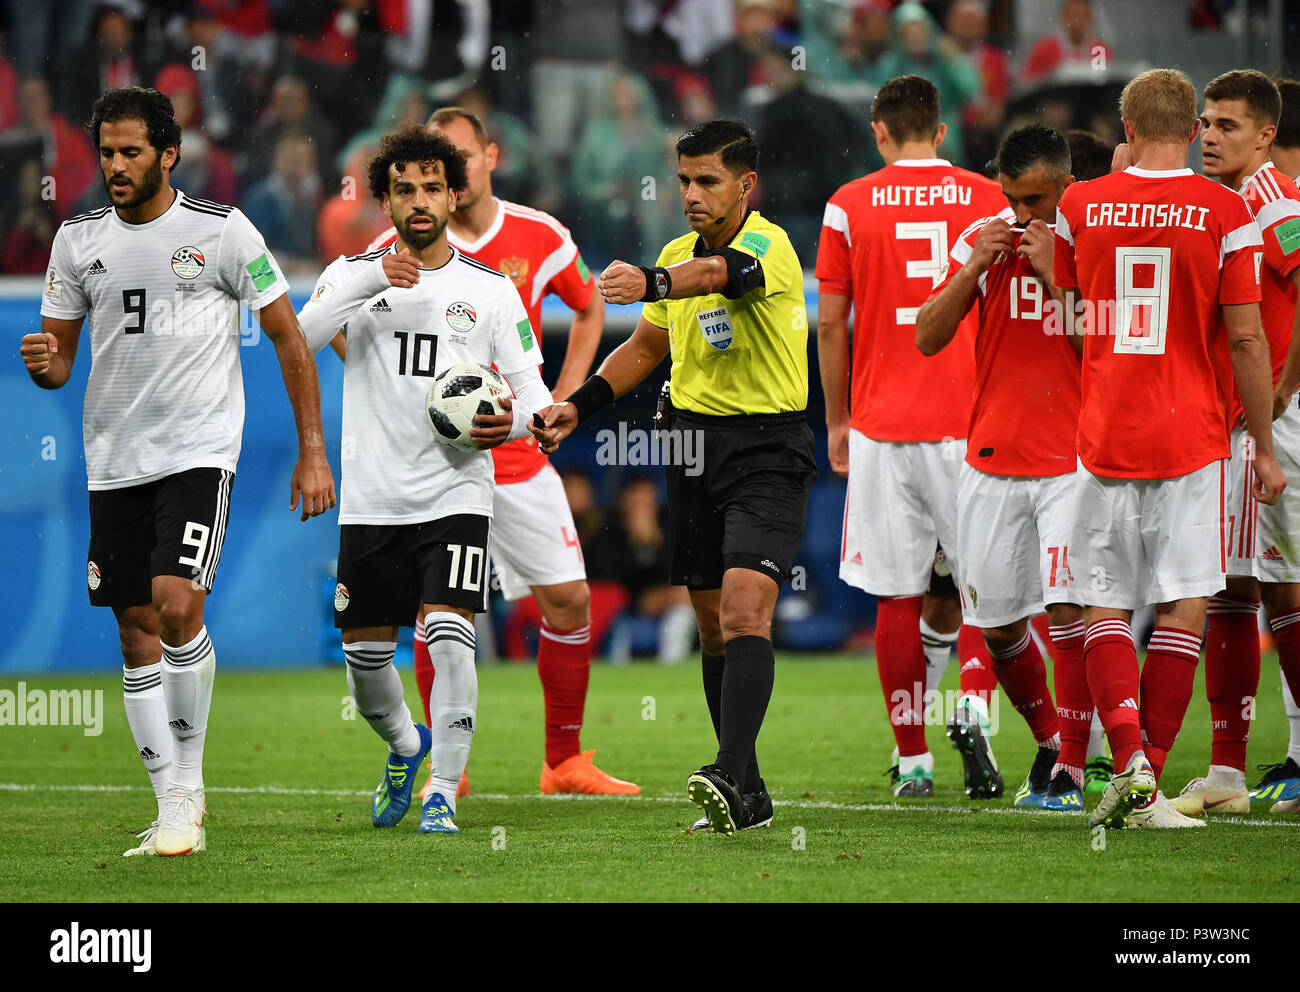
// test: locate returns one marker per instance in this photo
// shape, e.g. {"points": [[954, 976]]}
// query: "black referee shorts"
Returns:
{"points": [[746, 508]]}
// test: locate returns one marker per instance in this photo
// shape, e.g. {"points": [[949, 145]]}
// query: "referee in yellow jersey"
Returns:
{"points": [[727, 302]]}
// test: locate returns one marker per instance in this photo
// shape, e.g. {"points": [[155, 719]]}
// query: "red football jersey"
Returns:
{"points": [[1275, 202], [536, 251], [1026, 404], [884, 244], [1154, 256]]}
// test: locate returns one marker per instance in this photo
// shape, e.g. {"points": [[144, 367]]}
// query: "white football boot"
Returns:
{"points": [[1135, 784], [180, 830], [1200, 795], [1159, 814], [146, 838]]}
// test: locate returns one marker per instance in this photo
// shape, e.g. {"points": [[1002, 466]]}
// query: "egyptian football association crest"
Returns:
{"points": [[516, 268]]}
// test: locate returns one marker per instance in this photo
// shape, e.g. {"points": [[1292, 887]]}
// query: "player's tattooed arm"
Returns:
{"points": [[49, 353], [1288, 382], [312, 479]]}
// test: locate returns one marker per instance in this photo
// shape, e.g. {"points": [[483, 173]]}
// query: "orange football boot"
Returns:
{"points": [[579, 774]]}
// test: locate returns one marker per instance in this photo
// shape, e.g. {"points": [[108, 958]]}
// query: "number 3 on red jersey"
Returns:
{"points": [[933, 268]]}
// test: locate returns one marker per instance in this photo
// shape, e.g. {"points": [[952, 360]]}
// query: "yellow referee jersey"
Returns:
{"points": [[739, 356]]}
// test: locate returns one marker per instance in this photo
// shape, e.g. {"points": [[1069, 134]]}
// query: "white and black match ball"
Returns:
{"points": [[457, 396]]}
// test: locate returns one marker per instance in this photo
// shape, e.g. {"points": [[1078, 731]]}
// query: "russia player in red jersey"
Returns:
{"points": [[1166, 264], [534, 542], [1015, 502], [1238, 124], [884, 247]]}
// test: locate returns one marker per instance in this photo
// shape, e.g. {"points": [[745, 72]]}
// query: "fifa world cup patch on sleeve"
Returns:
{"points": [[759, 243], [262, 273], [715, 325], [53, 286], [525, 330], [1288, 235]]}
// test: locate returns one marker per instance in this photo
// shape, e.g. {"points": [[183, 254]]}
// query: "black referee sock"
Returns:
{"points": [[747, 678], [713, 665]]}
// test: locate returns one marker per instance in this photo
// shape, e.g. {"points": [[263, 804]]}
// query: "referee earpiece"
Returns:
{"points": [[745, 188]]}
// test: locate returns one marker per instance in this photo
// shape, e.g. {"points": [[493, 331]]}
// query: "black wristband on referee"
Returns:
{"points": [[658, 284], [593, 395]]}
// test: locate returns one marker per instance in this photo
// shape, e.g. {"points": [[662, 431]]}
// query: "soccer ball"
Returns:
{"points": [[457, 396]]}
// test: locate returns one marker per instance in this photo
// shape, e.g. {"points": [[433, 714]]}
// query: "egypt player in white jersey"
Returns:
{"points": [[1238, 123], [162, 277], [535, 547], [414, 513]]}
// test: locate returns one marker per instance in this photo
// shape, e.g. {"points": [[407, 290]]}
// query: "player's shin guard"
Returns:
{"points": [[1074, 709], [1166, 689], [564, 667], [453, 704], [188, 671], [1023, 677], [423, 667], [146, 714], [1110, 661], [938, 648], [977, 676], [377, 690], [1286, 635], [747, 678], [1231, 675], [901, 663]]}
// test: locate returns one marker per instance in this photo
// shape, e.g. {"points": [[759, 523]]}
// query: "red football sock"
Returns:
{"points": [[423, 669], [1023, 678], [1073, 700], [1286, 635], [900, 660], [1231, 675], [1110, 662], [564, 666], [976, 676], [1167, 677]]}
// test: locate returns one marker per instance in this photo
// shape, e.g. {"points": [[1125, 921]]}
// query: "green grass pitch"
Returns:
{"points": [[289, 778]]}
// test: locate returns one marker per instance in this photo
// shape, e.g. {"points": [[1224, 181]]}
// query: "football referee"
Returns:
{"points": [[727, 301]]}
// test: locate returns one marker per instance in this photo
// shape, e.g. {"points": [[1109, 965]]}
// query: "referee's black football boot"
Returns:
{"points": [[969, 737], [755, 811], [713, 790]]}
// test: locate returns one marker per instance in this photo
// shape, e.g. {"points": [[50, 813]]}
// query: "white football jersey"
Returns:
{"points": [[166, 392], [394, 470]]}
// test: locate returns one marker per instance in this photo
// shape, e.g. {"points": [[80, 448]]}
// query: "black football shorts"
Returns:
{"points": [[175, 525], [387, 571]]}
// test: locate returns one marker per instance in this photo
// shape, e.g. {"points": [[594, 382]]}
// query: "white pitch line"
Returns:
{"points": [[275, 790]]}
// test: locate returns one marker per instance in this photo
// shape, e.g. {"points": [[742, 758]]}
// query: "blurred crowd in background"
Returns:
{"points": [[282, 101]]}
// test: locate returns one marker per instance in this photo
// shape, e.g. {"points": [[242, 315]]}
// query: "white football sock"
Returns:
{"points": [[909, 763], [1226, 777], [453, 702], [377, 690], [187, 674], [146, 715], [1293, 717], [1097, 739], [938, 652]]}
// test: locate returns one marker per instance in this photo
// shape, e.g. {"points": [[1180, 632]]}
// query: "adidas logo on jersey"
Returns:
{"points": [[97, 268], [381, 306], [465, 723], [1272, 554]]}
